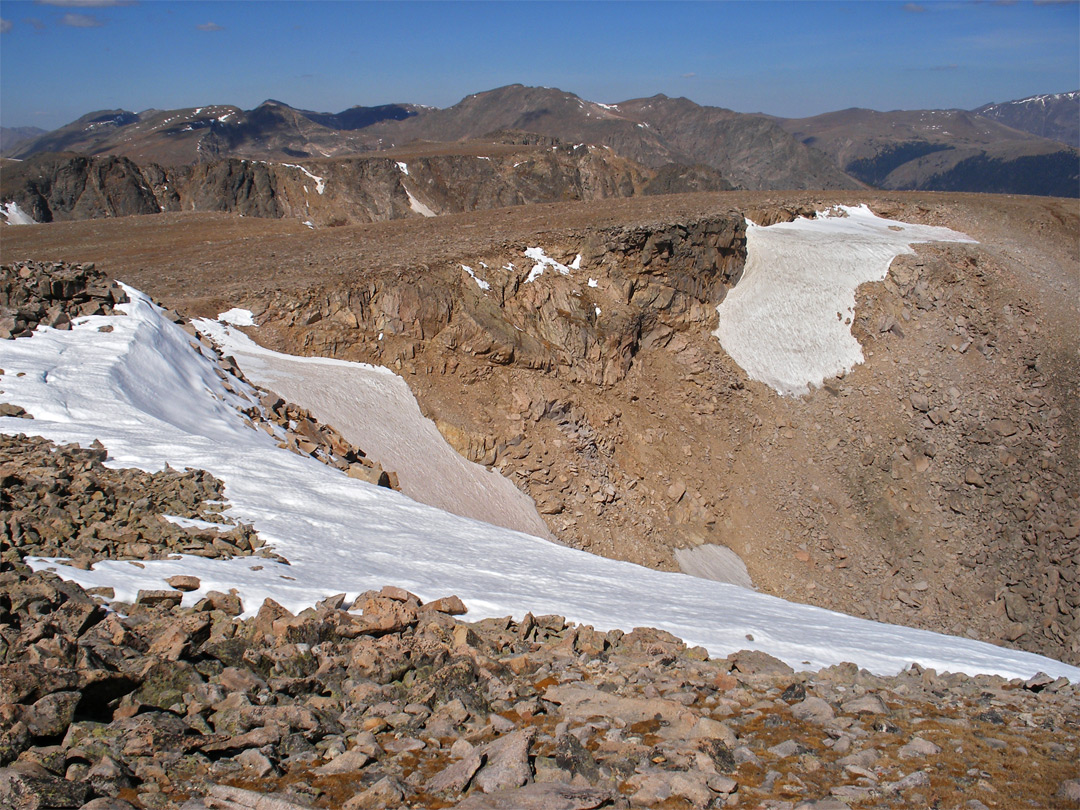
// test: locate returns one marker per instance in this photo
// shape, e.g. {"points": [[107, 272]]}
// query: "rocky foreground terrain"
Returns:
{"points": [[388, 703]]}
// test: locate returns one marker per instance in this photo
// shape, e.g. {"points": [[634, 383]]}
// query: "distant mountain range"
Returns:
{"points": [[1055, 116], [940, 150], [9, 136], [1007, 148]]}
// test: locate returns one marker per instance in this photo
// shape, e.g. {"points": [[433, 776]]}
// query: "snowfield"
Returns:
{"points": [[145, 391], [787, 322], [374, 409], [320, 182]]}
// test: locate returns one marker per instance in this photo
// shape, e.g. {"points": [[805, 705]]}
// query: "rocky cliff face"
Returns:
{"points": [[603, 293], [59, 187], [335, 192]]}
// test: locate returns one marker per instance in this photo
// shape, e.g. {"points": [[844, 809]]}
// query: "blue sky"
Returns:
{"points": [[60, 59]]}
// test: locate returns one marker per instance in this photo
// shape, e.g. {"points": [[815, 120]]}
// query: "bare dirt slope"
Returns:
{"points": [[937, 485]]}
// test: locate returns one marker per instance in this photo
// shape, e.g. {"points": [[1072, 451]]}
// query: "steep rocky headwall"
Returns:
{"points": [[581, 311], [59, 187]]}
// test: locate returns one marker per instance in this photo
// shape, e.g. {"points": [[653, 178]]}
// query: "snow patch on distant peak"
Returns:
{"points": [[403, 167], [14, 215]]}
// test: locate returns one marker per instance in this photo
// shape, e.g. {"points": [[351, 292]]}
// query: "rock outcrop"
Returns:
{"points": [[33, 293], [581, 312], [60, 187], [64, 502]]}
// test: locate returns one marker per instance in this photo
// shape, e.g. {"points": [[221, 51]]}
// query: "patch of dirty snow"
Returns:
{"points": [[787, 322], [543, 261], [416, 205]]}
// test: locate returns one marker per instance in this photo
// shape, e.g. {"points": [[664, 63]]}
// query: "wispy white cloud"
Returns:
{"points": [[86, 3], [210, 26], [74, 20], [35, 23], [689, 75], [945, 67], [5, 25], [914, 8]]}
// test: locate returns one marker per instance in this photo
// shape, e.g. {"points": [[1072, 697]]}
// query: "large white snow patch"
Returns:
{"points": [[787, 321], [146, 393], [238, 317], [375, 410]]}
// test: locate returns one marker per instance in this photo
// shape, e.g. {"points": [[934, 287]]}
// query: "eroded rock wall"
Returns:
{"points": [[603, 294], [61, 187]]}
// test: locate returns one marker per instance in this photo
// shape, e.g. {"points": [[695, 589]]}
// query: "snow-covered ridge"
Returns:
{"points": [[787, 322], [147, 393], [1041, 99]]}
